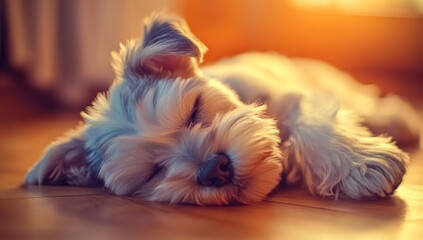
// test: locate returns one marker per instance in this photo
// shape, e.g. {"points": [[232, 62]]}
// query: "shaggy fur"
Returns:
{"points": [[163, 116]]}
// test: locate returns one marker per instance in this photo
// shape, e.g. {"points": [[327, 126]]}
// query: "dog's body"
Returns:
{"points": [[271, 77], [169, 131]]}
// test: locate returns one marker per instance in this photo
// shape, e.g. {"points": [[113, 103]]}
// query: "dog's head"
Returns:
{"points": [[166, 133]]}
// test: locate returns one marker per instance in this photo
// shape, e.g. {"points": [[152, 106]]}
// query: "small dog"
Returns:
{"points": [[169, 131]]}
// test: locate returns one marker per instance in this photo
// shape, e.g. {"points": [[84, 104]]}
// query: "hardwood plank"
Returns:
{"points": [[128, 218]]}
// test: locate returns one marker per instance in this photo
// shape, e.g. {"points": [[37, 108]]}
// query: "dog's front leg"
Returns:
{"points": [[333, 153]]}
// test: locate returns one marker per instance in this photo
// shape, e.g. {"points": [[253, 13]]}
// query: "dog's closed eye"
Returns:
{"points": [[157, 170], [194, 117]]}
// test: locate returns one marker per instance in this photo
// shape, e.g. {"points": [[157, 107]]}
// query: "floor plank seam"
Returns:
{"points": [[307, 206], [58, 196]]}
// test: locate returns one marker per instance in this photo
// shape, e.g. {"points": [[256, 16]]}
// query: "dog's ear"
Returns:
{"points": [[64, 162], [168, 49]]}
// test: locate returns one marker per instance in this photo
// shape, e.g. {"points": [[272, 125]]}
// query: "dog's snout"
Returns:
{"points": [[216, 171]]}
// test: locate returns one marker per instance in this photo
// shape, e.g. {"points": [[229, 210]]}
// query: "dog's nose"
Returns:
{"points": [[216, 171]]}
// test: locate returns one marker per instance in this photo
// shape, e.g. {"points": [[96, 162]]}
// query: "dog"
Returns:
{"points": [[170, 131]]}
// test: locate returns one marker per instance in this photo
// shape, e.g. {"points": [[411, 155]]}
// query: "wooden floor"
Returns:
{"points": [[52, 212]]}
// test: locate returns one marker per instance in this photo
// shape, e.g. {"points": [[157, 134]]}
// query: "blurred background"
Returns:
{"points": [[55, 57], [56, 54]]}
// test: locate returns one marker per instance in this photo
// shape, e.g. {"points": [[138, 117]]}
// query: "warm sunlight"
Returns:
{"points": [[187, 119], [366, 7]]}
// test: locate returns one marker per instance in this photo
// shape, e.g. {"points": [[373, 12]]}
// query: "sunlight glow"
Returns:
{"points": [[367, 7]]}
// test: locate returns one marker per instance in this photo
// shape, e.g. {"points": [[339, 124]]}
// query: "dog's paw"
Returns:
{"points": [[364, 166], [359, 170], [338, 157], [376, 169]]}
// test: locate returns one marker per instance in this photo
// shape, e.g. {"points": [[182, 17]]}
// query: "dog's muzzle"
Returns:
{"points": [[216, 171]]}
